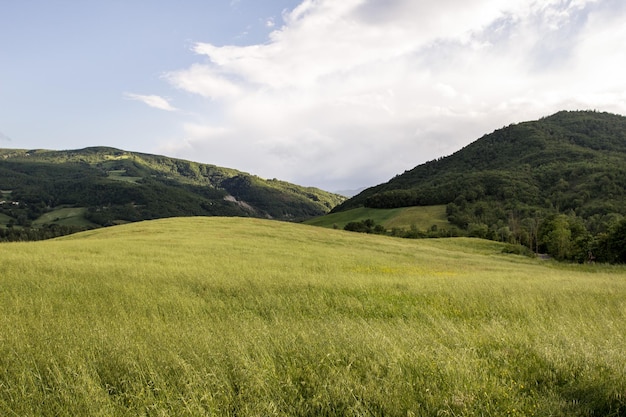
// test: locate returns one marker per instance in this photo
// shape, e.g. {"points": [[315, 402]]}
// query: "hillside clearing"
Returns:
{"points": [[423, 217], [73, 216], [231, 316], [121, 175]]}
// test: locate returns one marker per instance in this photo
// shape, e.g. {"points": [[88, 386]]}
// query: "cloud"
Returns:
{"points": [[352, 93], [4, 138], [204, 80], [152, 100]]}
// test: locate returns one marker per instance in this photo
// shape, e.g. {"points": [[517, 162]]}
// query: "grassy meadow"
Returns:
{"points": [[247, 317], [420, 217], [69, 216]]}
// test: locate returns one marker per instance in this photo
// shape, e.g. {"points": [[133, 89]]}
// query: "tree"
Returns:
{"points": [[616, 243], [480, 230], [558, 238], [531, 225]]}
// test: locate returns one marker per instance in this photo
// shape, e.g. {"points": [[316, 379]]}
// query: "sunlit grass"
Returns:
{"points": [[120, 175], [422, 218], [210, 316]]}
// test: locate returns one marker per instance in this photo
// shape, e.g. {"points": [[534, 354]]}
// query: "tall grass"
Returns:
{"points": [[210, 316]]}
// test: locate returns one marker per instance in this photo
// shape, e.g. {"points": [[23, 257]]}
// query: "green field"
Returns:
{"points": [[120, 175], [68, 216], [422, 218], [73, 216], [248, 317]]}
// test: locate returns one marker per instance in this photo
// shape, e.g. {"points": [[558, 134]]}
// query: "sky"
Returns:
{"points": [[326, 93]]}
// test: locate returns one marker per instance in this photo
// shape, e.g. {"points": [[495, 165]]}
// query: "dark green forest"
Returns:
{"points": [[115, 186], [556, 185]]}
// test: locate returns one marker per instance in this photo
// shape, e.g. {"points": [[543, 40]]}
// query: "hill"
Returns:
{"points": [[248, 317], [526, 183], [49, 192], [416, 218]]}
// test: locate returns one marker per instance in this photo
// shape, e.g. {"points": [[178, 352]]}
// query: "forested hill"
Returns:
{"points": [[102, 186], [570, 163]]}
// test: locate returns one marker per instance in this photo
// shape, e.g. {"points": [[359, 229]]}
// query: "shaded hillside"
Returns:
{"points": [[507, 184], [116, 186]]}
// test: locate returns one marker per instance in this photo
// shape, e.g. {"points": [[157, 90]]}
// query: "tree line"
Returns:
{"points": [[564, 237]]}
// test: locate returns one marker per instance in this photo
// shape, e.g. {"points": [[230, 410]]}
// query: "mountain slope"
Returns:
{"points": [[573, 160], [570, 163], [115, 186]]}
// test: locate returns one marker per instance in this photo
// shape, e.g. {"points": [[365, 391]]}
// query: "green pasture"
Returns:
{"points": [[248, 317], [423, 218], [68, 216], [120, 175]]}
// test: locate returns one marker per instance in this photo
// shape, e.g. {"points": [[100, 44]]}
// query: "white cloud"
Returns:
{"points": [[204, 80], [152, 100], [351, 93]]}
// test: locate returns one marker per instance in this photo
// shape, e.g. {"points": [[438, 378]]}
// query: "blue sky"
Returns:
{"points": [[334, 94]]}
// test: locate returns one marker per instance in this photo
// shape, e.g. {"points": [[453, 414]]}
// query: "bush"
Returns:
{"points": [[365, 226], [517, 249]]}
